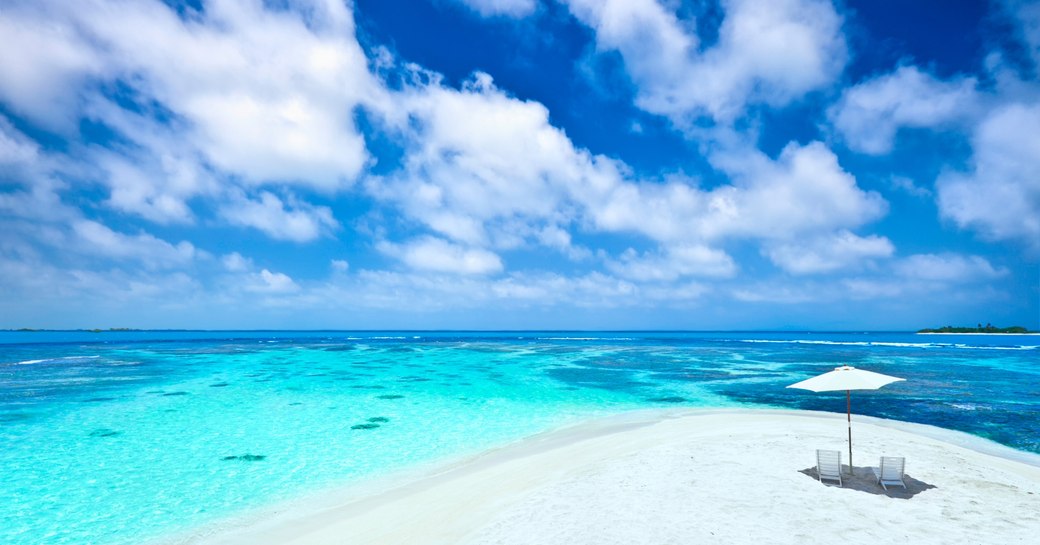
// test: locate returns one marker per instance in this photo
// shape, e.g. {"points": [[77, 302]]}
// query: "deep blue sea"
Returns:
{"points": [[116, 438]]}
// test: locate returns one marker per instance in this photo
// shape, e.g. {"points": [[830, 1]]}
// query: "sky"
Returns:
{"points": [[519, 164]]}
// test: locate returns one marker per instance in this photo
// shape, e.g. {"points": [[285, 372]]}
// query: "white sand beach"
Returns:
{"points": [[680, 477]]}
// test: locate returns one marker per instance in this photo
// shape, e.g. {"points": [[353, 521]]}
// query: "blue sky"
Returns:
{"points": [[519, 164]]}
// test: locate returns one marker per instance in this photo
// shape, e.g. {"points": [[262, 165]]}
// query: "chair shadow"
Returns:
{"points": [[863, 480]]}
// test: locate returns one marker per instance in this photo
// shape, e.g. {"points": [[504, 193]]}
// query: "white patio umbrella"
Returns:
{"points": [[846, 378]]}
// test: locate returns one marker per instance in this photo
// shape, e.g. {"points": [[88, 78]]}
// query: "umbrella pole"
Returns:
{"points": [[848, 413]]}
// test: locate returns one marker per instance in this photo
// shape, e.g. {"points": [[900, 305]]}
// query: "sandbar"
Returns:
{"points": [[684, 476]]}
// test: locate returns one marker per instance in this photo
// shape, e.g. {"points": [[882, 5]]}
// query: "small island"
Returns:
{"points": [[988, 328]]}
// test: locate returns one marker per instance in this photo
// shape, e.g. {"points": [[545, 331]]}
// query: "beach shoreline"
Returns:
{"points": [[516, 492]]}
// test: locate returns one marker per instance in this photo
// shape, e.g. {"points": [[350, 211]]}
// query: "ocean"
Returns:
{"points": [[121, 437]]}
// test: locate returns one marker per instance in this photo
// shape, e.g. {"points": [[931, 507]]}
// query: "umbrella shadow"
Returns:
{"points": [[863, 480]]}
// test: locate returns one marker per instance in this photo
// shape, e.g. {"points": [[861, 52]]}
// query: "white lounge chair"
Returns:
{"points": [[890, 471], [828, 465]]}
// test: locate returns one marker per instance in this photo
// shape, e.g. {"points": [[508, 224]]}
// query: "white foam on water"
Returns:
{"points": [[891, 344], [1021, 347], [63, 358], [582, 338]]}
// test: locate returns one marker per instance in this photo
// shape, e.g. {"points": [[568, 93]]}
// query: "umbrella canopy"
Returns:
{"points": [[846, 378]]}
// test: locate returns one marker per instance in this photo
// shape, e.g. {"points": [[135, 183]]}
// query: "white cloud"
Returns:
{"points": [[235, 262], [676, 262], [95, 238], [778, 293], [429, 291], [953, 268], [930, 279], [232, 94], [877, 288], [484, 168], [157, 192], [43, 65], [767, 52], [339, 265], [804, 191], [157, 176], [435, 254], [829, 253], [907, 185], [269, 282], [511, 8], [869, 114], [88, 298], [552, 236], [489, 171], [267, 94], [1000, 196], [284, 220], [16, 150]]}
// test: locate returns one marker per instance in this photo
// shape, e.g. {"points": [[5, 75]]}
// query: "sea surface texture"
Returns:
{"points": [[116, 438]]}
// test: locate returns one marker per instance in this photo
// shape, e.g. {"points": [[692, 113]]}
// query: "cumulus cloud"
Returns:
{"points": [[1000, 196], [43, 66], [484, 168], [511, 8], [199, 103], [267, 94], [869, 114], [86, 296], [157, 191], [16, 150], [828, 253], [676, 262], [235, 262], [767, 52], [487, 170], [949, 267], [803, 191], [435, 254], [283, 220], [778, 293], [899, 279], [269, 282], [96, 238]]}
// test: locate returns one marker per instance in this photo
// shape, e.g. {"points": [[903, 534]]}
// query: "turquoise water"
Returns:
{"points": [[120, 437]]}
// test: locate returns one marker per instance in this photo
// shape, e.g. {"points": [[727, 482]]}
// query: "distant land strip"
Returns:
{"points": [[988, 328]]}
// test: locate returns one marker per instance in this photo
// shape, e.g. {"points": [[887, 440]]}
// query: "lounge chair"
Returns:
{"points": [[828, 465], [890, 471]]}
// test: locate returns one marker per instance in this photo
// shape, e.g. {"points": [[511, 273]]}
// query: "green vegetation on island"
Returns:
{"points": [[988, 328]]}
